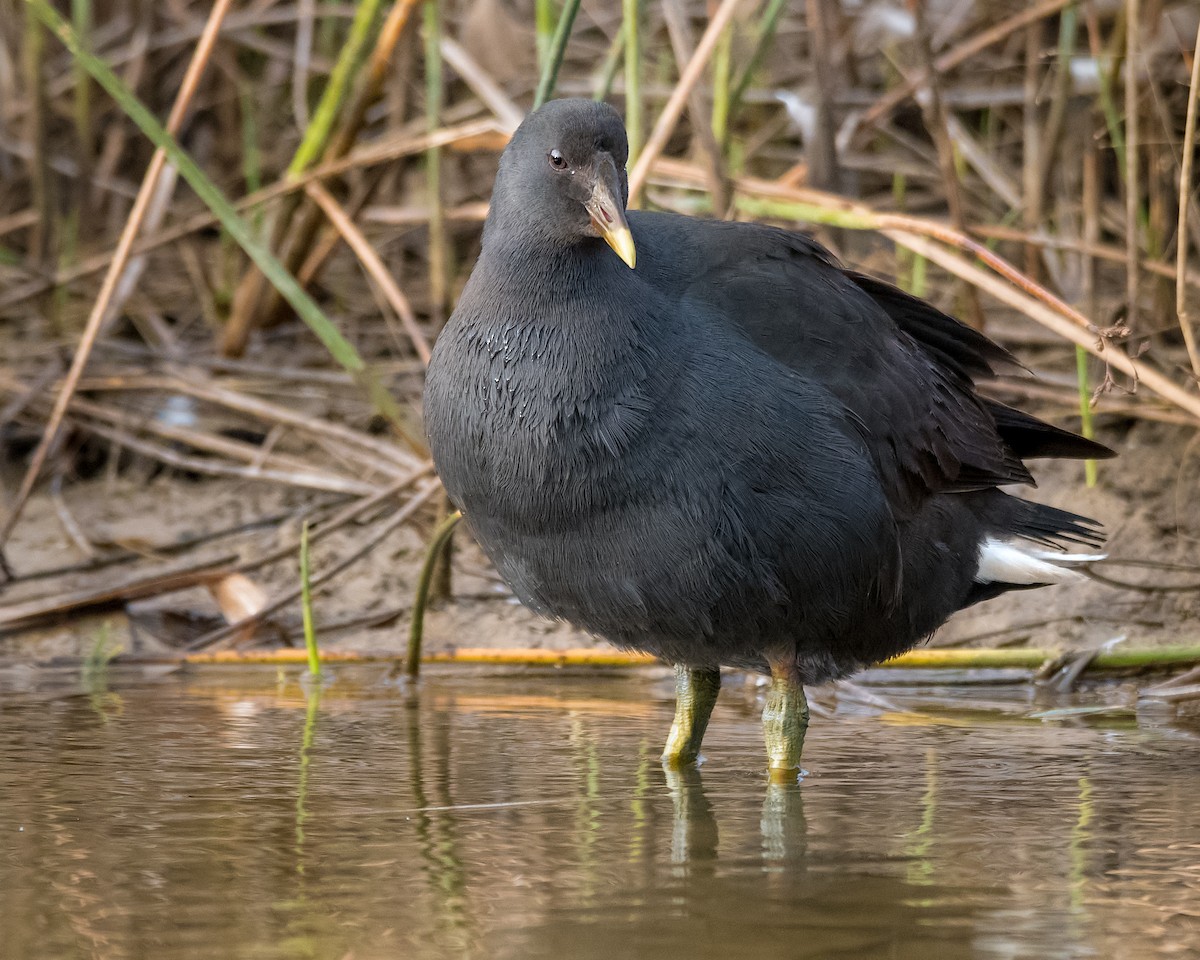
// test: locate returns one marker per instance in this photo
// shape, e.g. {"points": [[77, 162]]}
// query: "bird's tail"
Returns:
{"points": [[1032, 547], [1021, 563]]}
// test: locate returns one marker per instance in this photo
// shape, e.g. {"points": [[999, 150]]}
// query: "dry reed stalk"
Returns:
{"points": [[1132, 177], [260, 462], [675, 16], [438, 247], [351, 513], [30, 613], [1084, 246], [665, 124], [370, 450], [116, 267], [305, 11], [1033, 151], [66, 597], [306, 479], [822, 153], [482, 84], [373, 265], [1185, 194], [933, 107]]}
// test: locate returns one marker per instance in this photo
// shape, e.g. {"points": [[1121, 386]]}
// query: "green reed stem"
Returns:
{"points": [[1113, 120], [807, 212], [33, 55], [306, 610], [543, 15], [762, 43], [81, 19], [349, 62], [555, 53], [722, 68], [434, 92], [612, 62], [906, 260], [1087, 426], [633, 78], [251, 154], [416, 630]]}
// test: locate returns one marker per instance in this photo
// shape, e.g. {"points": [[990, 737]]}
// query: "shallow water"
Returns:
{"points": [[526, 816]]}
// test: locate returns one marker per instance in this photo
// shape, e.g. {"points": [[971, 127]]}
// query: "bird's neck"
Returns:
{"points": [[576, 304]]}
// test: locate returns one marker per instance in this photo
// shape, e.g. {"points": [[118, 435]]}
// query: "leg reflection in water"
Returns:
{"points": [[784, 829], [695, 836]]}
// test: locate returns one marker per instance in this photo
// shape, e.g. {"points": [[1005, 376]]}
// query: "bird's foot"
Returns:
{"points": [[695, 694], [785, 721]]}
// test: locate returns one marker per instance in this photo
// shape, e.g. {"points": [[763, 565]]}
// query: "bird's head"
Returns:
{"points": [[562, 177]]}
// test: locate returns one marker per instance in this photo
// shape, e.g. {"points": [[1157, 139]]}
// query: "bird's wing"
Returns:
{"points": [[909, 391]]}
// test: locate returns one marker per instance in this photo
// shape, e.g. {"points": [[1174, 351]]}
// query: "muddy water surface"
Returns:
{"points": [[220, 815]]}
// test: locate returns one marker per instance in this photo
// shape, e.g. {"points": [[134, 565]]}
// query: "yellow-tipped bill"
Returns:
{"points": [[621, 240], [608, 217]]}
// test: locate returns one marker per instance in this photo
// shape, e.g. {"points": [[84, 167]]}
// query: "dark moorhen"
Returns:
{"points": [[736, 452]]}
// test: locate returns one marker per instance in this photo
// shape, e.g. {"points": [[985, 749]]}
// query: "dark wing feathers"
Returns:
{"points": [[1030, 437], [954, 345], [903, 370], [950, 342]]}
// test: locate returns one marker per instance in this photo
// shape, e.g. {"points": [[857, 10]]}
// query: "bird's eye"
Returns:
{"points": [[557, 160]]}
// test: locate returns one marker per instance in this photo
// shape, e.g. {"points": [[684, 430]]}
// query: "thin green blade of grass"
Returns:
{"points": [[554, 55], [306, 308], [416, 631], [306, 610], [1087, 426]]}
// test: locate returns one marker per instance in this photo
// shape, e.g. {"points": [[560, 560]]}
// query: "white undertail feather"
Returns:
{"points": [[1014, 561]]}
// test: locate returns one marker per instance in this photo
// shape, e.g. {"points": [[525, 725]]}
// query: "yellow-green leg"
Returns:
{"points": [[785, 720], [695, 694]]}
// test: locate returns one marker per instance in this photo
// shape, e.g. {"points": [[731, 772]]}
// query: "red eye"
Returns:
{"points": [[557, 160]]}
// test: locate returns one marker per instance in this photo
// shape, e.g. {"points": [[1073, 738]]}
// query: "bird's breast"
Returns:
{"points": [[524, 424]]}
